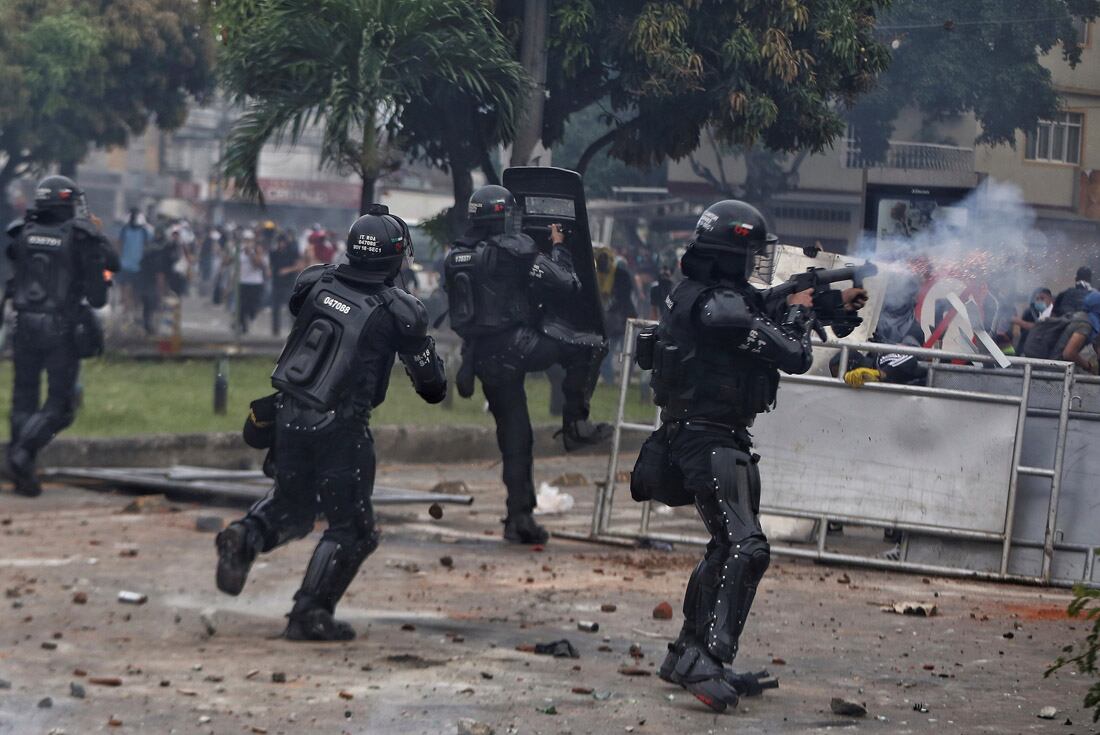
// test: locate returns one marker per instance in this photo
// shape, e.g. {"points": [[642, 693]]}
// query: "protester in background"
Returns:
{"points": [[155, 263], [616, 286], [659, 291], [1073, 298], [1067, 337], [285, 264], [253, 266], [1040, 308], [208, 253], [132, 238], [320, 244]]}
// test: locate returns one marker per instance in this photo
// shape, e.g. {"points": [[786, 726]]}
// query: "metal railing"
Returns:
{"points": [[1030, 370], [920, 156]]}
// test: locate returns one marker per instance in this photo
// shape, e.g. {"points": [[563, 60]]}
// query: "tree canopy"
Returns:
{"points": [[950, 58], [77, 74], [755, 71], [353, 67]]}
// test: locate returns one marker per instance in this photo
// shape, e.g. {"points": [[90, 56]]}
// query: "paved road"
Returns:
{"points": [[438, 643]]}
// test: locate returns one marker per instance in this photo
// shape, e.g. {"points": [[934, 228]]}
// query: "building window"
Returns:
{"points": [[1057, 140]]}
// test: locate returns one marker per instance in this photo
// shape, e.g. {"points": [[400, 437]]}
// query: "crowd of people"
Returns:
{"points": [[243, 268]]}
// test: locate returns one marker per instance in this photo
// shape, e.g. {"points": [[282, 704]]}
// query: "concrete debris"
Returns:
{"points": [[582, 690], [607, 607], [634, 671], [76, 690], [557, 649], [132, 598], [209, 524], [601, 696], [550, 500], [588, 626], [344, 694], [663, 611], [49, 645], [451, 487], [105, 681], [570, 479], [115, 721], [206, 617], [779, 661], [1048, 713], [446, 562], [407, 566], [278, 677], [435, 510], [473, 727], [920, 609], [846, 708], [45, 703], [80, 598]]}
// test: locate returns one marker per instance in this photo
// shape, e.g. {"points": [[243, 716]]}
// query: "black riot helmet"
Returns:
{"points": [[378, 243], [490, 205], [58, 197], [730, 237]]}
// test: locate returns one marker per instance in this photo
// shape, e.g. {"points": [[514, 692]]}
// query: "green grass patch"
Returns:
{"points": [[134, 397]]}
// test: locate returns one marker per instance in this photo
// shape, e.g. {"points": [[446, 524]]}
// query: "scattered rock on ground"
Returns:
{"points": [[132, 598], [435, 510], [206, 617], [105, 681], [278, 677], [607, 607], [588, 626], [841, 706], [1048, 713], [80, 598], [45, 703], [451, 487], [473, 727], [76, 690], [920, 609], [209, 524]]}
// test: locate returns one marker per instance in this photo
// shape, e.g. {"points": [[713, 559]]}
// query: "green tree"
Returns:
{"points": [[753, 72], [603, 173], [353, 67], [983, 57], [77, 74]]}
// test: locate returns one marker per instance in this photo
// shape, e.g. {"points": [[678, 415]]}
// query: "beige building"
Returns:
{"points": [[1057, 168]]}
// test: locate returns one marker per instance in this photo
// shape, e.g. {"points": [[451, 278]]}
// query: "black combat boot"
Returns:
{"points": [[22, 472], [237, 546], [522, 529], [316, 624], [705, 677], [584, 433], [746, 684]]}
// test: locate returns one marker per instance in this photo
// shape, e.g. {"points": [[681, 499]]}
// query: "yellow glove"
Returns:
{"points": [[857, 377]]}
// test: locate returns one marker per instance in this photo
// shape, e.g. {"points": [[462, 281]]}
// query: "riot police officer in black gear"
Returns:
{"points": [[505, 298], [350, 321], [58, 258], [716, 357]]}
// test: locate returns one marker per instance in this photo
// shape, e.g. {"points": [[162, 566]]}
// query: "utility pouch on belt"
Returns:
{"points": [[655, 477], [645, 348]]}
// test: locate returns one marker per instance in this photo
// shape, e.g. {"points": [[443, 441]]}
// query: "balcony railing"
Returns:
{"points": [[921, 156]]}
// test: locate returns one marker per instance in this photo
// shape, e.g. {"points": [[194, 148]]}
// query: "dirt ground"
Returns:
{"points": [[441, 609]]}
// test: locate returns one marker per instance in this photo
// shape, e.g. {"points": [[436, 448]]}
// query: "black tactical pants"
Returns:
{"points": [[721, 474], [328, 470], [502, 362], [42, 342]]}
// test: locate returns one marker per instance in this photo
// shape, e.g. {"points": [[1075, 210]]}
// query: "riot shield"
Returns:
{"points": [[556, 195]]}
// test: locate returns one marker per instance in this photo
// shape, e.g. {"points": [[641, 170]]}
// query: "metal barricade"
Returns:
{"points": [[960, 511]]}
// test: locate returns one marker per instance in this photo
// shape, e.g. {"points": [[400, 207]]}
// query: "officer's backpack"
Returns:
{"points": [[318, 363]]}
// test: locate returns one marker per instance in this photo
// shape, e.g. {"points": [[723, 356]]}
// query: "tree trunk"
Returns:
{"points": [[593, 148], [533, 57], [366, 193], [462, 184]]}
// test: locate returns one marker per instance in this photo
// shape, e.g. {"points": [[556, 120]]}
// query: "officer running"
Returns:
{"points": [[334, 370], [58, 261], [716, 357], [506, 302]]}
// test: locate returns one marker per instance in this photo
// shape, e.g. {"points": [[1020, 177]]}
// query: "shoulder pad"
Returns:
{"points": [[725, 308], [85, 227], [310, 276], [15, 226], [519, 245], [409, 312]]}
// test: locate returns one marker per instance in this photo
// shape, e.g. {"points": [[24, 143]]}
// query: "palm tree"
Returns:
{"points": [[351, 67]]}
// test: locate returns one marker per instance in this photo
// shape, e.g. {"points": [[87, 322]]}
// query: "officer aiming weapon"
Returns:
{"points": [[829, 307]]}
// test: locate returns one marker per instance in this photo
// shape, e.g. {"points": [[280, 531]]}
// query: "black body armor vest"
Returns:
{"points": [[704, 379], [45, 267], [318, 363], [487, 288]]}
